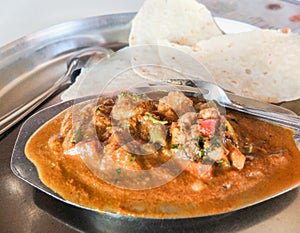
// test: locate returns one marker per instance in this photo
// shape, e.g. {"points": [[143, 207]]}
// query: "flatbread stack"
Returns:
{"points": [[260, 64], [177, 21]]}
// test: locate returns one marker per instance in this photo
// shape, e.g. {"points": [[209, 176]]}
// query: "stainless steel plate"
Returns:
{"points": [[25, 170], [33, 63]]}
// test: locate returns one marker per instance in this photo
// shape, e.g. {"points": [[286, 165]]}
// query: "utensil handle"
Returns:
{"points": [[77, 61], [286, 120], [290, 121]]}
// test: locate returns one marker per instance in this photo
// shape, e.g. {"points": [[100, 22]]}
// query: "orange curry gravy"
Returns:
{"points": [[271, 167]]}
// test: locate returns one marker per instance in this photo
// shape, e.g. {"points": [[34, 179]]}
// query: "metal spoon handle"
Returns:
{"points": [[214, 92], [290, 121], [77, 61]]}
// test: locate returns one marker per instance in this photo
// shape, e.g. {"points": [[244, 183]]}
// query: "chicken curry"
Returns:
{"points": [[175, 156]]}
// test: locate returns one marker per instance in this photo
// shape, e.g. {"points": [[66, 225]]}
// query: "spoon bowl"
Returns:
{"points": [[75, 63]]}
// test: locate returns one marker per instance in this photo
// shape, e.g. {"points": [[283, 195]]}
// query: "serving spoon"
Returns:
{"points": [[75, 63]]}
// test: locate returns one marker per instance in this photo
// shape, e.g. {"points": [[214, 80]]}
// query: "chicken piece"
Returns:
{"points": [[124, 107], [174, 105], [187, 120], [209, 113], [77, 125], [200, 170], [237, 158], [121, 156], [181, 129], [104, 106], [103, 127], [145, 106]]}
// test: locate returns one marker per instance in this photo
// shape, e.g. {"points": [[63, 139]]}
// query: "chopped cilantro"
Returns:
{"points": [[208, 149], [118, 171], [122, 94], [156, 121], [234, 120], [174, 146], [99, 108], [135, 97], [224, 162], [125, 125], [76, 136], [132, 158], [214, 140], [247, 148], [220, 161]]}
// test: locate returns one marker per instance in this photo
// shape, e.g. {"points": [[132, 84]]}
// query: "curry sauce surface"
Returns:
{"points": [[273, 168]]}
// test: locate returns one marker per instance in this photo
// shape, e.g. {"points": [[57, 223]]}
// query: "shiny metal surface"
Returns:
{"points": [[34, 63], [214, 92], [30, 66], [75, 62], [26, 170]]}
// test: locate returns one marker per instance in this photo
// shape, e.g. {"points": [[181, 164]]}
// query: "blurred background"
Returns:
{"points": [[22, 17]]}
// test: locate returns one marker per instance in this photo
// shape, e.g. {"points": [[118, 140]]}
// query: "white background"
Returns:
{"points": [[22, 17]]}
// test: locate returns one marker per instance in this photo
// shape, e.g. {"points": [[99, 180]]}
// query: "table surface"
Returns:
{"points": [[19, 18]]}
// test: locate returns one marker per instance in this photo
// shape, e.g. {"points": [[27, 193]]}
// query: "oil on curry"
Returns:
{"points": [[218, 162]]}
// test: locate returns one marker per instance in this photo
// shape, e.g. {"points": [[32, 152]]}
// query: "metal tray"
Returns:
{"points": [[26, 170], [33, 64]]}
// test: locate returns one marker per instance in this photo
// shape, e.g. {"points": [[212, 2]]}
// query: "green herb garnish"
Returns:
{"points": [[76, 136], [174, 146], [132, 158], [125, 125], [118, 171], [234, 120], [122, 94], [247, 149], [214, 140], [220, 161], [99, 108], [156, 121]]}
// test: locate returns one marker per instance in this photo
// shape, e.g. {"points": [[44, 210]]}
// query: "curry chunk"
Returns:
{"points": [[237, 158], [174, 105], [137, 132]]}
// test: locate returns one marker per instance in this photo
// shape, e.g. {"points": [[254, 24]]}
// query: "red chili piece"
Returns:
{"points": [[208, 127]]}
